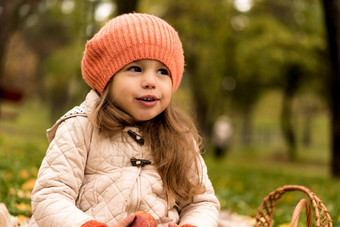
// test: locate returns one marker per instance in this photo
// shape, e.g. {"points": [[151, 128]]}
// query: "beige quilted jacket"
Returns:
{"points": [[84, 177]]}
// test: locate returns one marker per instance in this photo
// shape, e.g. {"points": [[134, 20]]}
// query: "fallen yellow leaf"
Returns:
{"points": [[29, 185], [22, 206], [24, 174]]}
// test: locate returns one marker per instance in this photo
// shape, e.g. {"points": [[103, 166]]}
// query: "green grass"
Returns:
{"points": [[22, 144], [242, 179]]}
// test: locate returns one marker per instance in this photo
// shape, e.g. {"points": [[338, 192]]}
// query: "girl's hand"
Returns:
{"points": [[125, 222]]}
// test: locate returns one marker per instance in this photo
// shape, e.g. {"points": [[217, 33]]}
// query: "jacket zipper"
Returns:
{"points": [[135, 195], [136, 189]]}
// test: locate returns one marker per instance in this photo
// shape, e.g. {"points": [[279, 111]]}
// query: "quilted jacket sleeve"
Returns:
{"points": [[60, 176], [204, 210]]}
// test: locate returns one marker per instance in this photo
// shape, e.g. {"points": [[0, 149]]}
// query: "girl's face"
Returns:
{"points": [[143, 89]]}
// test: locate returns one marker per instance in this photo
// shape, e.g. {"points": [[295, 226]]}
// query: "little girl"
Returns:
{"points": [[126, 148]]}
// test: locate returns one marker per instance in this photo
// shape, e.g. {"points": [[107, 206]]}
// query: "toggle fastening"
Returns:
{"points": [[138, 138], [139, 162]]}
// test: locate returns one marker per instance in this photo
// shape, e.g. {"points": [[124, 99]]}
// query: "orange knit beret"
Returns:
{"points": [[127, 38]]}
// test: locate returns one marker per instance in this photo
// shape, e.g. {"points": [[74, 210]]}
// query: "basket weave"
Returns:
{"points": [[264, 217]]}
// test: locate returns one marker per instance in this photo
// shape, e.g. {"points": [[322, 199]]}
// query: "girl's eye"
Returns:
{"points": [[163, 72], [134, 69]]}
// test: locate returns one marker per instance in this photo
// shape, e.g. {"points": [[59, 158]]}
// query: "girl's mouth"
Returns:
{"points": [[148, 98], [148, 101]]}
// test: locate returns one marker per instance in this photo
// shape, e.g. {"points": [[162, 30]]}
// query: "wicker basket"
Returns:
{"points": [[264, 217]]}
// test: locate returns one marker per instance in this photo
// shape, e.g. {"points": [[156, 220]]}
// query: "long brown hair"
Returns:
{"points": [[173, 140]]}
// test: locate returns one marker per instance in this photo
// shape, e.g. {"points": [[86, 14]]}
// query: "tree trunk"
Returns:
{"points": [[247, 127], [287, 127], [200, 104], [332, 20], [306, 133], [293, 78]]}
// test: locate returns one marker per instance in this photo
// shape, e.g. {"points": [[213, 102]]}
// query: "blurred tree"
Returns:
{"points": [[54, 27], [332, 21], [63, 83], [204, 32], [290, 87], [20, 66], [12, 13], [57, 31], [259, 59], [290, 36], [308, 106]]}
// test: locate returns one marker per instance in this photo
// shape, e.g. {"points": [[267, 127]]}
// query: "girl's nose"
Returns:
{"points": [[148, 80]]}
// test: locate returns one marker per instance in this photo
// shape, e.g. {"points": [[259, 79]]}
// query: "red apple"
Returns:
{"points": [[143, 219]]}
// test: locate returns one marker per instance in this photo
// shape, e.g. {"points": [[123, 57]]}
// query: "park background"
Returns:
{"points": [[264, 64]]}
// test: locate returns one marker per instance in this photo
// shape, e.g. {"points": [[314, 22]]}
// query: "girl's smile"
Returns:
{"points": [[148, 100], [143, 89]]}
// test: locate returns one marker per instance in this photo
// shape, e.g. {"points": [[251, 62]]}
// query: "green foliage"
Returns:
{"points": [[63, 84], [57, 32]]}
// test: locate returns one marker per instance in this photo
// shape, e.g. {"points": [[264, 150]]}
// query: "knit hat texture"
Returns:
{"points": [[128, 38]]}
